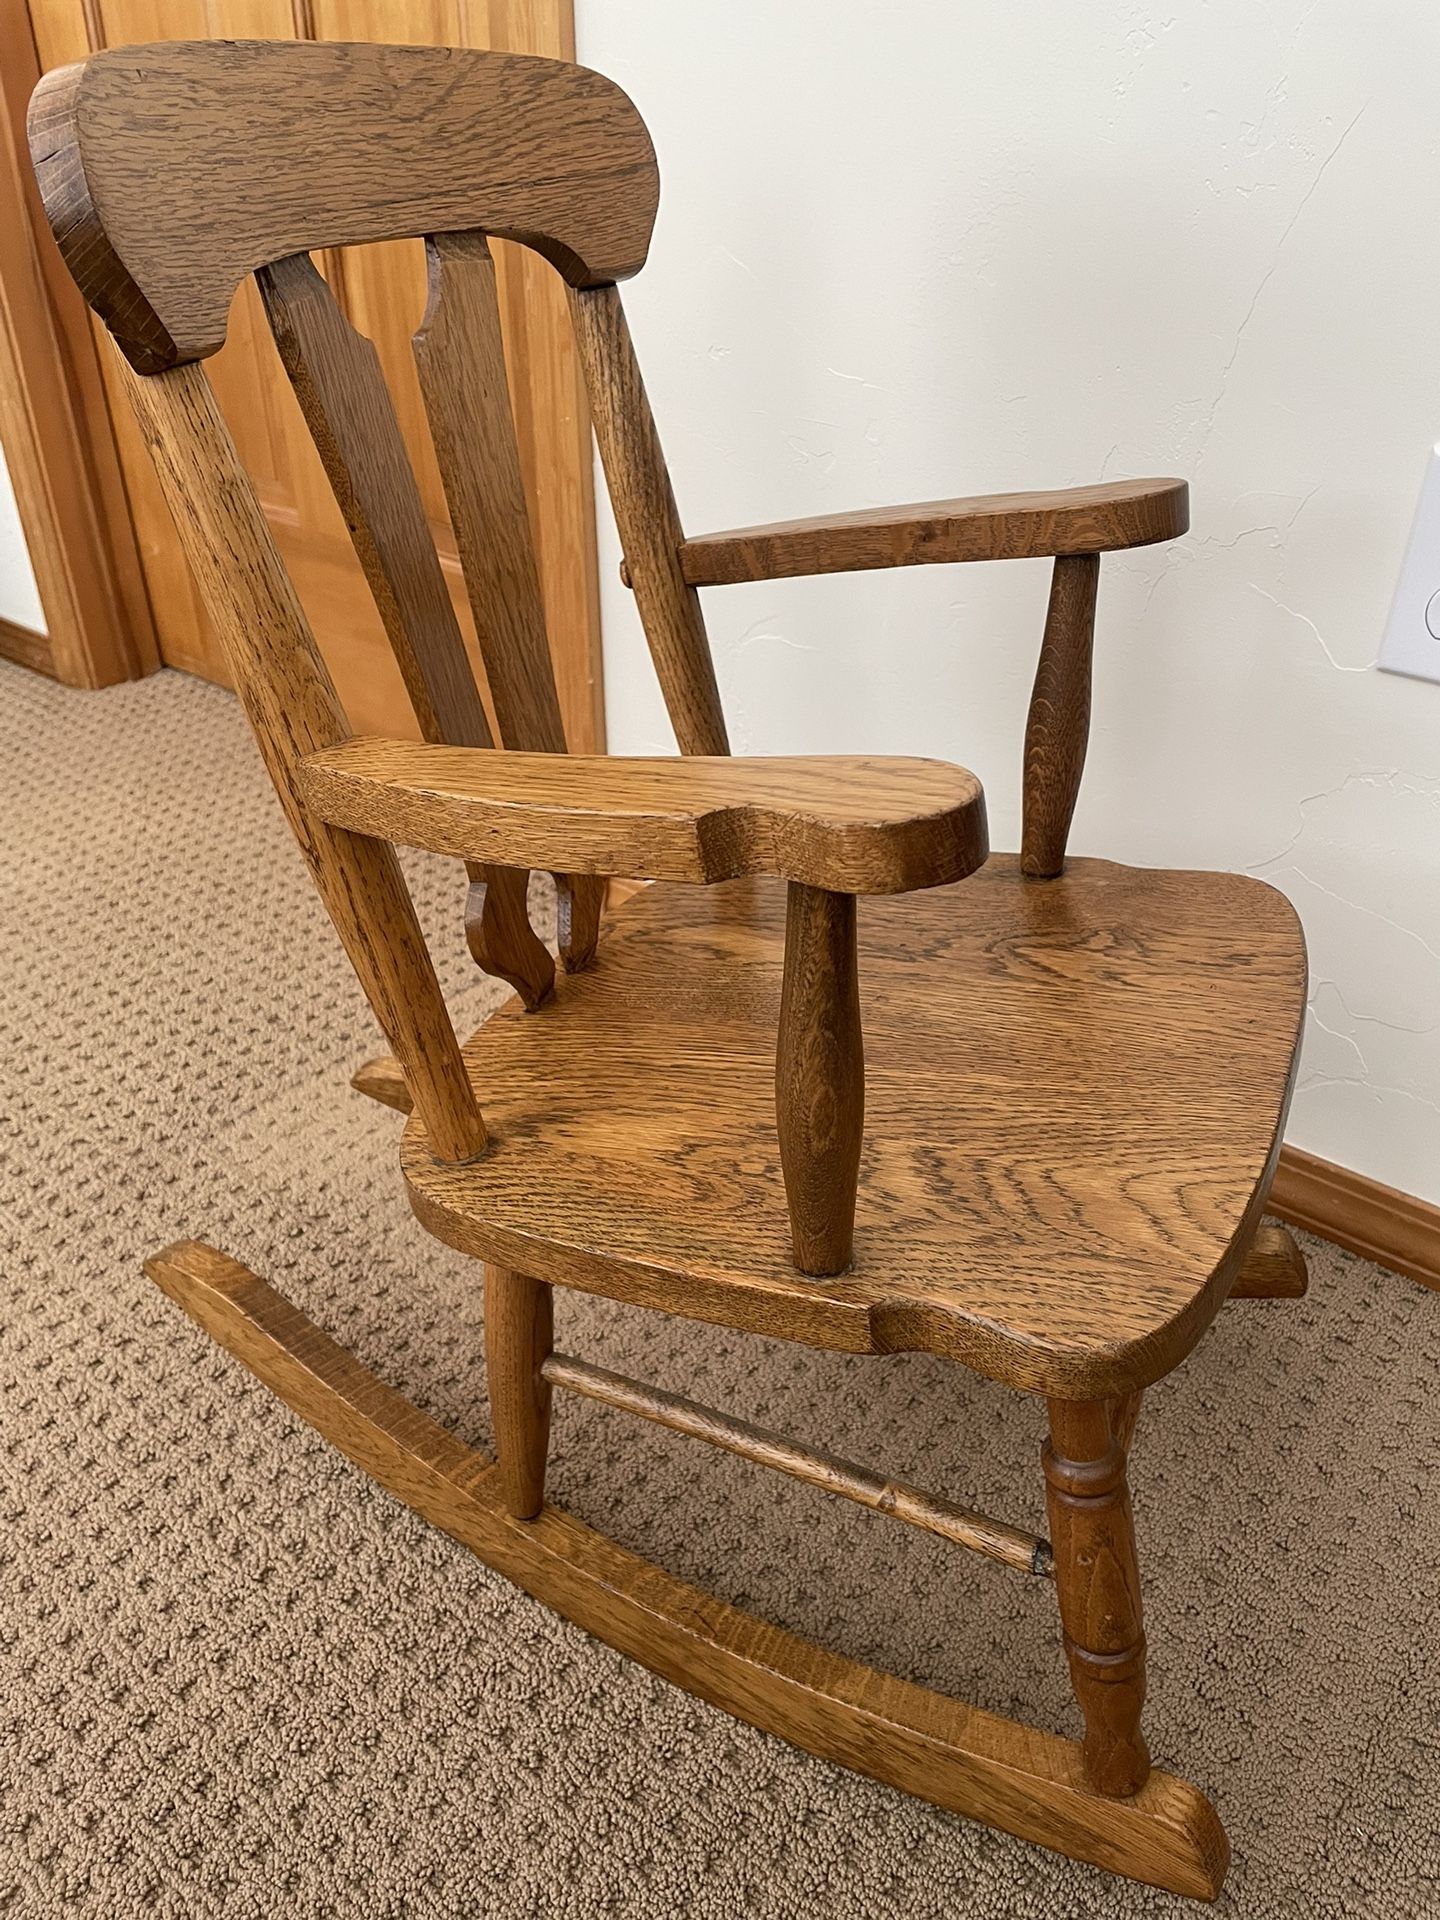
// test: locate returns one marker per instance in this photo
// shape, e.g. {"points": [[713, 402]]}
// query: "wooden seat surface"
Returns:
{"points": [[1074, 1091]]}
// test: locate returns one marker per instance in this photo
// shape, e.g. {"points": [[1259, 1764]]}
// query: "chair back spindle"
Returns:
{"points": [[648, 520]]}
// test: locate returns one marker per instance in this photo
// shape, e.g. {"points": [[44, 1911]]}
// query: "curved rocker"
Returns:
{"points": [[1024, 1781]]}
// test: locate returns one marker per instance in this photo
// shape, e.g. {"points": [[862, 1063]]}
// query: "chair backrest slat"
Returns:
{"points": [[293, 709], [460, 356], [336, 374], [648, 520]]}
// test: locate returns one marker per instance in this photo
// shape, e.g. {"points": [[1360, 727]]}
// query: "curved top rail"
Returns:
{"points": [[169, 172]]}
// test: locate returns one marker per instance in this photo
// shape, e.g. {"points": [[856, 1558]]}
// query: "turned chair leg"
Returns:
{"points": [[519, 1335], [1098, 1582]]}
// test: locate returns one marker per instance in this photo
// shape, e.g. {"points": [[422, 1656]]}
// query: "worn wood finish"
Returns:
{"points": [[1363, 1215], [978, 1532], [956, 1756], [853, 825], [1097, 1581], [648, 520], [1058, 727], [1059, 1193], [1274, 1266], [994, 526], [519, 1333], [171, 171], [337, 379], [292, 708], [820, 1077]]}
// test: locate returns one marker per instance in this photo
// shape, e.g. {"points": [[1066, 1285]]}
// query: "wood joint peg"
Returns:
{"points": [[1274, 1268]]}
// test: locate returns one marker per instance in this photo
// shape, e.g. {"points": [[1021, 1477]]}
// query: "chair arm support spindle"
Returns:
{"points": [[820, 1077], [1057, 729]]}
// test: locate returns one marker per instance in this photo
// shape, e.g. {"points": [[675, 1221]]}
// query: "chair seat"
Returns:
{"points": [[1075, 1090]]}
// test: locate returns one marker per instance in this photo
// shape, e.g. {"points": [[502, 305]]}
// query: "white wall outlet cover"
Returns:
{"points": [[1412, 633]]}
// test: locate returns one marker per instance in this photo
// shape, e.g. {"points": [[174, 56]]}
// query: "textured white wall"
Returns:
{"points": [[19, 598], [955, 246]]}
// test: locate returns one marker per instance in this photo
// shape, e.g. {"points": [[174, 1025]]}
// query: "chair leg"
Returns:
{"points": [[974, 1763], [1124, 1412], [1098, 1582], [519, 1335]]}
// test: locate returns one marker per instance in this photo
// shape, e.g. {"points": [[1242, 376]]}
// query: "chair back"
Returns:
{"points": [[168, 174]]}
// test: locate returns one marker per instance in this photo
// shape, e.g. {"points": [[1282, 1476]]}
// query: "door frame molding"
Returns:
{"points": [[56, 432]]}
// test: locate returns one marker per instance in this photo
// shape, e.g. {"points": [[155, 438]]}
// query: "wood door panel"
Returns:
{"points": [[382, 289]]}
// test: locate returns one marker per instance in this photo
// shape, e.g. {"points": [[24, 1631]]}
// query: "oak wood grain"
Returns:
{"points": [[461, 361], [1274, 1267], [820, 1077], [337, 379], [648, 520], [1125, 1417], [850, 824], [957, 1756], [1074, 1095], [1057, 728], [171, 171], [993, 526], [1097, 1582], [460, 356], [519, 1333], [291, 706]]}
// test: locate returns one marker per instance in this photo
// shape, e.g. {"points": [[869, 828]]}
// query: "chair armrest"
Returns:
{"points": [[987, 526], [847, 825]]}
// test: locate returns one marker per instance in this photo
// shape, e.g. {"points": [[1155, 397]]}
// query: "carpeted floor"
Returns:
{"points": [[236, 1679]]}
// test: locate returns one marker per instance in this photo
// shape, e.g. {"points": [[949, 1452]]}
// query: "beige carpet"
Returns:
{"points": [[236, 1679]]}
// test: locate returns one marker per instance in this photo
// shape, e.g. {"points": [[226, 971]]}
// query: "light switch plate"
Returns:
{"points": [[1412, 633]]}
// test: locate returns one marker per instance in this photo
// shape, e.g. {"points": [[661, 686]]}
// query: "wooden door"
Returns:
{"points": [[382, 288]]}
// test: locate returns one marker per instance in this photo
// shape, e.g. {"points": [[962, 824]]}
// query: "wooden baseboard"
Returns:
{"points": [[1380, 1223], [27, 647]]}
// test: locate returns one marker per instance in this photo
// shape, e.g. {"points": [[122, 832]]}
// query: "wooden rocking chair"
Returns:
{"points": [[1075, 1074]]}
